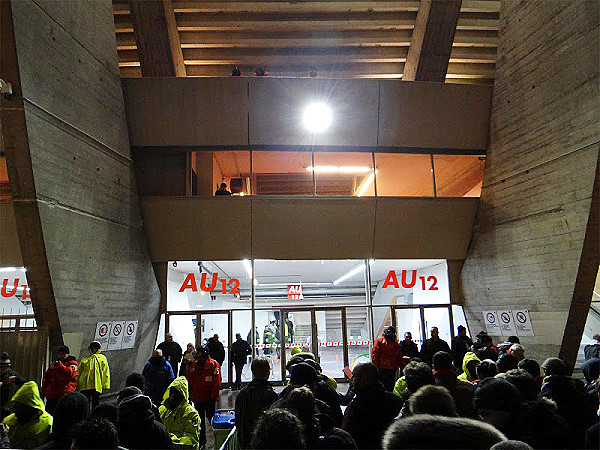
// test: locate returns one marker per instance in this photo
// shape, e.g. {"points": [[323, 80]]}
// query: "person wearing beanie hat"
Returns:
{"points": [[387, 356], [60, 378], [497, 402], [10, 382], [94, 374]]}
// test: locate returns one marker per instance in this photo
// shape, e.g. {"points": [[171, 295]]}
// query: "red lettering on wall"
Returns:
{"points": [[412, 282], [189, 283], [3, 291], [391, 279], [433, 286], [213, 283]]}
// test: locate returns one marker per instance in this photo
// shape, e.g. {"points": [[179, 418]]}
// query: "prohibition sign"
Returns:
{"points": [[490, 317], [505, 317], [521, 317], [103, 330], [130, 329], [117, 329]]}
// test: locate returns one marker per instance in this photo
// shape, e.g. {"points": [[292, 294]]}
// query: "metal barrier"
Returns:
{"points": [[231, 443]]}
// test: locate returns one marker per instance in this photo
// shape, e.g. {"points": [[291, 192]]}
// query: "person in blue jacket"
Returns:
{"points": [[158, 374]]}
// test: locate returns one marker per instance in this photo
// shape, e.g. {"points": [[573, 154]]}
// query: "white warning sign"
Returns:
{"points": [[115, 339], [129, 334], [102, 333], [523, 323], [507, 323], [492, 325]]}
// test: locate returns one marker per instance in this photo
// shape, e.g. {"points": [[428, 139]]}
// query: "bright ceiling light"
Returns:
{"points": [[339, 169], [349, 274], [317, 117], [248, 268]]}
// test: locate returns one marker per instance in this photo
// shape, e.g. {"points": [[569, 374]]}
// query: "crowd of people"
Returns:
{"points": [[464, 395]]}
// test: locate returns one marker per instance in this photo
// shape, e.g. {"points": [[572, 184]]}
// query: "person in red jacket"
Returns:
{"points": [[387, 357], [204, 379], [59, 379]]}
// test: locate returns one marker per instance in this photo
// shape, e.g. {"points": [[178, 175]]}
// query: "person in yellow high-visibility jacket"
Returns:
{"points": [[94, 374]]}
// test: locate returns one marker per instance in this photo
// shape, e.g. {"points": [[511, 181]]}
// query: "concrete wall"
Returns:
{"points": [[540, 170], [84, 180]]}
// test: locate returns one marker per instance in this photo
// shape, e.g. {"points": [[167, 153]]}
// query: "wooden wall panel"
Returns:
{"points": [[197, 228], [424, 228], [312, 228], [10, 251], [187, 111], [539, 174], [222, 111], [277, 107], [90, 228], [434, 115], [297, 228]]}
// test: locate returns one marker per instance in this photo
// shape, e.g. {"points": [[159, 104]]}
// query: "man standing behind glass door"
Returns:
{"points": [[171, 351]]}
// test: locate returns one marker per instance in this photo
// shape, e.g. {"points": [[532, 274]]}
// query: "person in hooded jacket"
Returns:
{"points": [[158, 375], [180, 418], [469, 367], [10, 382], [71, 408], [59, 379], [94, 374], [29, 425], [137, 426]]}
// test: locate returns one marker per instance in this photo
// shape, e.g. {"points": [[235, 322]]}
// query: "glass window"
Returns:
{"points": [[309, 283], [268, 342], [359, 335], [403, 175], [409, 282], [344, 173], [208, 285], [331, 342], [382, 318], [15, 293], [409, 320], [4, 184], [458, 318], [183, 329], [282, 173], [458, 175], [440, 318], [209, 170], [592, 326]]}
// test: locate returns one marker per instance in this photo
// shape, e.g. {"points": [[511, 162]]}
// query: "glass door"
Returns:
{"points": [[322, 332], [213, 328]]}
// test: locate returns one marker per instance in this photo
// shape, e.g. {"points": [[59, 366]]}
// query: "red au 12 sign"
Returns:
{"points": [[295, 292], [409, 281], [227, 287]]}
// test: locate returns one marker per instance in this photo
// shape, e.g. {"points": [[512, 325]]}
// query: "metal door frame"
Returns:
{"points": [[422, 309], [315, 334], [197, 334]]}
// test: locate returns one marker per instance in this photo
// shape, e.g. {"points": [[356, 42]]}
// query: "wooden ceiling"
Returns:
{"points": [[341, 39]]}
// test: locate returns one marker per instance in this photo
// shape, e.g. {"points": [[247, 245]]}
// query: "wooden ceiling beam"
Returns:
{"points": [[157, 38], [432, 39]]}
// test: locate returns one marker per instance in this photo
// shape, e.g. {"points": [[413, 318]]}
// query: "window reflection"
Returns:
{"points": [[403, 175], [282, 173], [344, 173], [458, 175], [4, 184]]}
